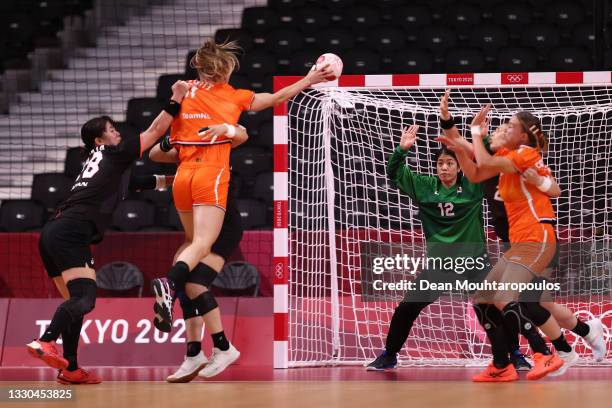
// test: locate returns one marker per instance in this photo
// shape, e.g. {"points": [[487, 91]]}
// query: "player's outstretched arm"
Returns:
{"points": [[263, 101], [163, 121]]}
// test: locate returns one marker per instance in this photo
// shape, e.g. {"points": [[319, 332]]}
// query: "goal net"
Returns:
{"points": [[341, 205]]}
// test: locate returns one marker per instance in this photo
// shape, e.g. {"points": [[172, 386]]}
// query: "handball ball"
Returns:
{"points": [[334, 62]]}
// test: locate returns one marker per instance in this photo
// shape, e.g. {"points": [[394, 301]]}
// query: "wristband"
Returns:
{"points": [[447, 123], [231, 130], [172, 108], [476, 131], [545, 184], [165, 145]]}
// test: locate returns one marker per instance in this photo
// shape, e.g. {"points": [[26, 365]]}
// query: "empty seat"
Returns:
{"points": [[159, 198], [437, 38], [489, 38], [413, 61], [51, 188], [164, 86], [565, 15], [258, 63], [242, 37], [252, 213], [335, 40], [463, 16], [584, 35], [412, 17], [120, 277], [512, 15], [21, 215], [301, 62], [284, 41], [285, 4], [465, 60], [237, 278], [17, 27], [259, 83], [259, 20], [145, 166], [542, 37], [252, 120], [73, 164], [264, 188], [265, 137], [360, 19], [126, 130], [570, 59], [513, 59], [311, 20], [133, 215], [248, 161], [141, 112], [386, 40], [190, 73], [361, 62]]}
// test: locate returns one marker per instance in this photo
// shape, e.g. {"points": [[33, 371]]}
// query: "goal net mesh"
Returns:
{"points": [[341, 199]]}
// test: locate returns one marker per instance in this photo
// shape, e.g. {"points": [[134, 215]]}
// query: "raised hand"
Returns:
{"points": [[318, 75], [480, 124], [444, 113], [179, 90], [408, 137]]}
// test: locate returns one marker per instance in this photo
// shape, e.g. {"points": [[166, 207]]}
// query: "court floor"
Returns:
{"points": [[317, 387]]}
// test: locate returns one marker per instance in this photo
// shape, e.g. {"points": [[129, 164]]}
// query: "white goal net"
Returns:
{"points": [[339, 141]]}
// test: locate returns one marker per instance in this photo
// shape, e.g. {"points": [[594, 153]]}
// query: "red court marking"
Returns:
{"points": [[266, 373]]}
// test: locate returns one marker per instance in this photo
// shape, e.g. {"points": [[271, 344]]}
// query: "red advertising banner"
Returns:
{"points": [[119, 332]]}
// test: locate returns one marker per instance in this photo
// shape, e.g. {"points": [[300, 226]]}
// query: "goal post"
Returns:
{"points": [[332, 199]]}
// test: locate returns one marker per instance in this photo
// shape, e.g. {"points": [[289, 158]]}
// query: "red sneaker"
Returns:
{"points": [[78, 376], [543, 365], [493, 374], [47, 352]]}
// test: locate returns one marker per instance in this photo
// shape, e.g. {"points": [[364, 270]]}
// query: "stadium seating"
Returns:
{"points": [[21, 215], [252, 213], [133, 215], [141, 112], [51, 188]]}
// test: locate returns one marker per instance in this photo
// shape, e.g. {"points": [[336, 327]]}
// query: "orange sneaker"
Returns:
{"points": [[493, 374], [543, 365], [78, 376], [47, 352]]}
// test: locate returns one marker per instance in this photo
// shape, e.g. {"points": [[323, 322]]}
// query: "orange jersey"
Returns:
{"points": [[203, 106], [526, 206]]}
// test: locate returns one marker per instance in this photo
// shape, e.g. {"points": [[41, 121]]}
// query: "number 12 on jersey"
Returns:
{"points": [[446, 209]]}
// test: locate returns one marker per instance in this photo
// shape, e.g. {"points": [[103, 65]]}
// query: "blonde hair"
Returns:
{"points": [[215, 62]]}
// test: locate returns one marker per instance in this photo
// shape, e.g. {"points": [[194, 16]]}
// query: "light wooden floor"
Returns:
{"points": [[293, 394]]}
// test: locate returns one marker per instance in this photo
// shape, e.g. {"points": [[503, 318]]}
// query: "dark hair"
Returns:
{"points": [[446, 151], [533, 127], [94, 128]]}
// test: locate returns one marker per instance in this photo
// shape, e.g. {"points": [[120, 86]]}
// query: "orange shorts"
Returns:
{"points": [[535, 250], [200, 184]]}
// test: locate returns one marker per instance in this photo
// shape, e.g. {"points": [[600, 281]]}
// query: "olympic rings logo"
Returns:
{"points": [[279, 270], [514, 78]]}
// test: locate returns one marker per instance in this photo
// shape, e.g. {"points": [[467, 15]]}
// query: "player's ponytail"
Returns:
{"points": [[533, 128], [215, 62]]}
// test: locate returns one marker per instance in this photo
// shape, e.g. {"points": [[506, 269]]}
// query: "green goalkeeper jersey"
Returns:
{"points": [[449, 215]]}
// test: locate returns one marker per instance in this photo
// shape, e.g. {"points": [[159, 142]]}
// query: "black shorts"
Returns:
{"points": [[64, 244], [231, 231]]}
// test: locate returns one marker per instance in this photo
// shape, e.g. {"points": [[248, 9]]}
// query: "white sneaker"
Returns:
{"points": [[189, 369], [595, 339], [569, 359], [219, 361]]}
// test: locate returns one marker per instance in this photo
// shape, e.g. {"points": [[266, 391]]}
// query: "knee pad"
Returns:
{"points": [[534, 295], [488, 315], [536, 312], [178, 275], [202, 274], [204, 303], [82, 297], [189, 309]]}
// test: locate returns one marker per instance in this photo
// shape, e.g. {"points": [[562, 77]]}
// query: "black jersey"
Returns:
{"points": [[102, 183], [499, 218]]}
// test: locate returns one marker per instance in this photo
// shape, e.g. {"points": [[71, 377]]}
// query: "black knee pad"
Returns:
{"points": [[202, 274], [532, 295], [82, 297], [189, 309], [488, 315], [178, 275], [538, 314], [204, 303]]}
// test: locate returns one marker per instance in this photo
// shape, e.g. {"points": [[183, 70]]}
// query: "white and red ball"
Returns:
{"points": [[334, 62]]}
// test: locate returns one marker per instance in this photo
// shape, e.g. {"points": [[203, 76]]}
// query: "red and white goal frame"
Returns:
{"points": [[281, 205]]}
